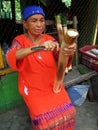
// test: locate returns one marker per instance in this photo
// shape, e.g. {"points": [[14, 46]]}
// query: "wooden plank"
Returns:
{"points": [[1, 59], [74, 77], [6, 71]]}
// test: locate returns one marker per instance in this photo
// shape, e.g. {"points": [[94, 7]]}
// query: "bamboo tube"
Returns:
{"points": [[69, 38]]}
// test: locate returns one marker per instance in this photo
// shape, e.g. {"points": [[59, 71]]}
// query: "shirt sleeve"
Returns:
{"points": [[56, 55], [11, 56], [16, 44]]}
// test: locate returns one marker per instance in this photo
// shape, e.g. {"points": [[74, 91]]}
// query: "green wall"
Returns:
{"points": [[9, 95]]}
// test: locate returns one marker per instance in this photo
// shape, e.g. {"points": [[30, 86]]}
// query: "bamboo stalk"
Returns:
{"points": [[64, 25], [59, 28], [69, 37]]}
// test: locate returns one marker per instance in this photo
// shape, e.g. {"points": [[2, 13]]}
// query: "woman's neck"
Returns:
{"points": [[34, 38]]}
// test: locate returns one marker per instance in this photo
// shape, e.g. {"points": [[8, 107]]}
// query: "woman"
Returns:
{"points": [[36, 73]]}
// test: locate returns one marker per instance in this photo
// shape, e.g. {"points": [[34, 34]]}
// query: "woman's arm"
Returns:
{"points": [[23, 52]]}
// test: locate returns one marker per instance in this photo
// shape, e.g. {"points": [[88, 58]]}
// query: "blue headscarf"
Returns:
{"points": [[32, 10]]}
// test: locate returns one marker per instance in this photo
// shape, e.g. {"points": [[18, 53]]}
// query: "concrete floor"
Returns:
{"points": [[18, 119], [87, 116]]}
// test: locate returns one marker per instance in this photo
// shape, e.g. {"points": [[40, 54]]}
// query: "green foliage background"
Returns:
{"points": [[6, 7]]}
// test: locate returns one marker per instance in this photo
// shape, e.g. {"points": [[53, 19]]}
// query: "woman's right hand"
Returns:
{"points": [[50, 45]]}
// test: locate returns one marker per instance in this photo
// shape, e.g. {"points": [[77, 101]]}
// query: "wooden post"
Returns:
{"points": [[75, 23], [1, 59], [96, 32]]}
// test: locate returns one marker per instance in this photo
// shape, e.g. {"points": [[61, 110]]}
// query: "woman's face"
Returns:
{"points": [[35, 24]]}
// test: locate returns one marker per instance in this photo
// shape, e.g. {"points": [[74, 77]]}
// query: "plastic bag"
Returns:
{"points": [[78, 93]]}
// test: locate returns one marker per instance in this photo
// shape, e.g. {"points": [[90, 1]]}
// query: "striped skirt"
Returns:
{"points": [[59, 118]]}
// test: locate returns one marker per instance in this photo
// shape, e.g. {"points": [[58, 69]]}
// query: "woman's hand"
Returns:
{"points": [[70, 50], [50, 45]]}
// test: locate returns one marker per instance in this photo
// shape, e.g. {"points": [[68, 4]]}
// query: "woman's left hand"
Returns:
{"points": [[70, 50]]}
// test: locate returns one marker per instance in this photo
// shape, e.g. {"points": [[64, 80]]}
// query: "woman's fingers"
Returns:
{"points": [[50, 45], [70, 50]]}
